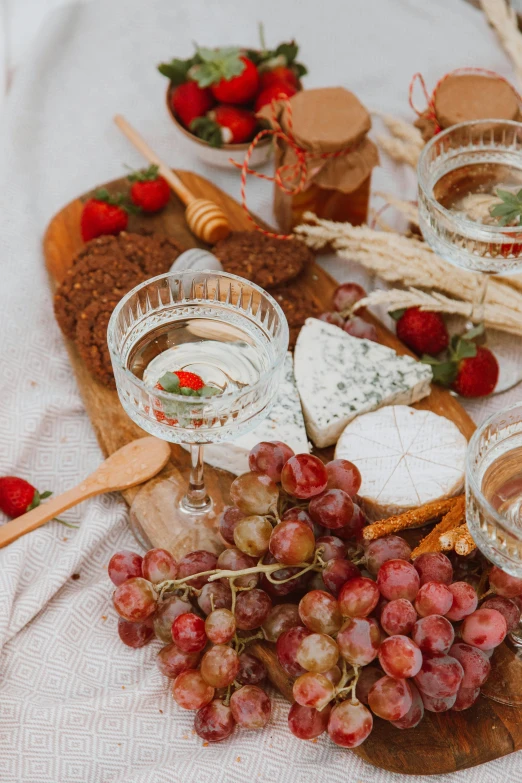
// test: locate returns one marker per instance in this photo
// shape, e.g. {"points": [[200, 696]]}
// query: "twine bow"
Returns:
{"points": [[429, 112], [291, 178]]}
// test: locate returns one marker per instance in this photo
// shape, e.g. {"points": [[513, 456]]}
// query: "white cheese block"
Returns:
{"points": [[407, 458], [339, 377], [284, 423]]}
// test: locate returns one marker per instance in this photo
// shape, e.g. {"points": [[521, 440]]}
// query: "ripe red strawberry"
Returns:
{"points": [[18, 496], [423, 331], [273, 93], [277, 75], [187, 380], [225, 125], [189, 100], [477, 375], [103, 214], [150, 190], [238, 89]]}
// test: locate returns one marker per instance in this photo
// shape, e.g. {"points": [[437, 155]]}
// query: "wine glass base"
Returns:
{"points": [[504, 684], [158, 517]]}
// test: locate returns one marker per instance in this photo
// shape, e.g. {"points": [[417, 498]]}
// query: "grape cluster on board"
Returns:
{"points": [[361, 629]]}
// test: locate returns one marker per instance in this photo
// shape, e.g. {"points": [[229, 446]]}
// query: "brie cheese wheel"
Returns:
{"points": [[340, 377], [284, 423], [407, 458]]}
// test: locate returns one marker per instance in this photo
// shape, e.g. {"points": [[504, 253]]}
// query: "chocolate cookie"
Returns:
{"points": [[94, 277], [261, 259], [297, 307], [153, 253], [91, 340]]}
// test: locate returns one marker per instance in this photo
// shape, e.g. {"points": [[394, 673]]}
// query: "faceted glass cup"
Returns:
{"points": [[224, 329]]}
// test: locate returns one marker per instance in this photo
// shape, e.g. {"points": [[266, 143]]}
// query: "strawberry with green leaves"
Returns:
{"points": [[471, 370], [225, 125], [189, 101], [104, 214], [150, 191], [18, 496], [184, 383]]}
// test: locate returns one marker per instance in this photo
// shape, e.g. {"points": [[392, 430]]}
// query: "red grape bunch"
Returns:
{"points": [[392, 640], [344, 298]]}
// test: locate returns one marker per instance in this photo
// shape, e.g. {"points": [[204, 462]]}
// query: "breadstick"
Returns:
{"points": [[414, 518], [464, 543], [454, 518]]}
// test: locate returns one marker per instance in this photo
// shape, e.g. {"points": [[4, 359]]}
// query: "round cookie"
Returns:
{"points": [[91, 340], [297, 307], [153, 253], [263, 260], [94, 277]]}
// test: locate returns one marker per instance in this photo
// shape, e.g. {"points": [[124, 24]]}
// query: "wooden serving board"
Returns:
{"points": [[441, 743]]}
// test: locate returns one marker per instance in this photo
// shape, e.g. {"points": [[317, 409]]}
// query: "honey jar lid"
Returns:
{"points": [[465, 97], [326, 120]]}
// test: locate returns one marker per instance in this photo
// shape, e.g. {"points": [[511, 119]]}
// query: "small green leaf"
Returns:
{"points": [[510, 208], [67, 524], [169, 382], [35, 501], [476, 331], [300, 69], [396, 314], [177, 70], [46, 494], [431, 360], [209, 391], [465, 350], [208, 130], [444, 373], [288, 50]]}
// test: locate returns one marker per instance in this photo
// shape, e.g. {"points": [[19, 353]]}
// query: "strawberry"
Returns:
{"points": [[149, 190], [189, 101], [104, 214], [274, 93], [225, 125], [422, 331], [231, 77], [477, 375], [189, 380], [471, 370], [18, 496], [279, 74]]}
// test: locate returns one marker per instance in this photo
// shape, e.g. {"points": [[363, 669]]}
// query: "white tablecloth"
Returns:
{"points": [[75, 704]]}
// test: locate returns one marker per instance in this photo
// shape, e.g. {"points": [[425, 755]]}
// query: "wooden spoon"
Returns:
{"points": [[205, 219], [133, 464]]}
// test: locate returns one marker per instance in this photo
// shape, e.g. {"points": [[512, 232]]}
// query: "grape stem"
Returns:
{"points": [[343, 687], [260, 568]]}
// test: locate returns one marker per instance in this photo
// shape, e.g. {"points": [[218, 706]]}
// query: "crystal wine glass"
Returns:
{"points": [[224, 330], [461, 172], [494, 517]]}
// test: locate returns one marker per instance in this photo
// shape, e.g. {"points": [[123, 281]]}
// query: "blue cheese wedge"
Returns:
{"points": [[340, 377], [406, 457], [284, 423]]}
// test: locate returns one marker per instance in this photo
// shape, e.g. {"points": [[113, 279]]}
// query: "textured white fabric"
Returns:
{"points": [[75, 704]]}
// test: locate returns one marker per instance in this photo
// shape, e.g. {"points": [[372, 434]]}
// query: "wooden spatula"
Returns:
{"points": [[133, 464], [205, 219]]}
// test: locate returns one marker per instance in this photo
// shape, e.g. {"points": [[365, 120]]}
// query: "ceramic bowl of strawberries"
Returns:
{"points": [[213, 98]]}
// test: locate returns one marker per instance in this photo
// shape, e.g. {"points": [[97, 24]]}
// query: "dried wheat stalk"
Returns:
{"points": [[396, 299], [406, 208], [405, 143], [503, 20], [410, 262]]}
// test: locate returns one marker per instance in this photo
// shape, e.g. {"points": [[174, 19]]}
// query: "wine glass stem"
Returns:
{"points": [[196, 498]]}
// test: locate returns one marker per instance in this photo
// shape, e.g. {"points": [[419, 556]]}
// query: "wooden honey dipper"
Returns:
{"points": [[205, 219]]}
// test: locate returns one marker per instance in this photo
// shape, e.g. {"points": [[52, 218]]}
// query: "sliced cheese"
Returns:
{"points": [[284, 423], [407, 458], [340, 377]]}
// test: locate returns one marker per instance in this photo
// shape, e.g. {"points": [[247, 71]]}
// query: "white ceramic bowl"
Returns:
{"points": [[219, 156]]}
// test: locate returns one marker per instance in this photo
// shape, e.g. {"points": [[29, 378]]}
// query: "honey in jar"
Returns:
{"points": [[329, 128]]}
